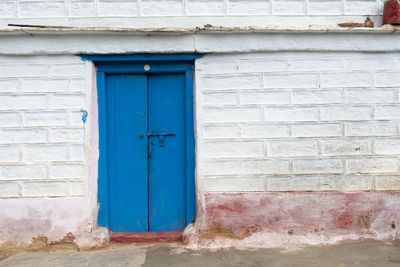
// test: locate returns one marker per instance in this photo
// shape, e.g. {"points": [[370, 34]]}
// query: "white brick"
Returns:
{"points": [[75, 118], [73, 171], [264, 131], [376, 165], [346, 183], [219, 99], [345, 113], [370, 129], [162, 7], [265, 97], [220, 66], [20, 136], [9, 189], [370, 63], [112, 8], [314, 130], [238, 81], [262, 167], [26, 61], [45, 153], [44, 189], [346, 79], [79, 85], [387, 182], [7, 9], [82, 8], [290, 80], [9, 153], [67, 101], [44, 85], [66, 135], [345, 147], [317, 166], [234, 184], [293, 184], [237, 149], [387, 112], [77, 152], [27, 70], [361, 7], [316, 64], [387, 146], [263, 65], [221, 131], [205, 7], [21, 172], [247, 7], [77, 188], [317, 97], [231, 115], [9, 85], [291, 114], [45, 118], [387, 79], [370, 96], [10, 119], [41, 9], [289, 7], [221, 167], [66, 70], [324, 7], [295, 148], [14, 102]]}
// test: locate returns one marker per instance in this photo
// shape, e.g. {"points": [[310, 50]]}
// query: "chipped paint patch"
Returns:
{"points": [[84, 115], [219, 231]]}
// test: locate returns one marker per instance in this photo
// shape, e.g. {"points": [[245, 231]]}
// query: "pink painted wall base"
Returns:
{"points": [[270, 219], [52, 221]]}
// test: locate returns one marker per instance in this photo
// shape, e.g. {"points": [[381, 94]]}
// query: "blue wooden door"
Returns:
{"points": [[166, 108], [146, 152]]}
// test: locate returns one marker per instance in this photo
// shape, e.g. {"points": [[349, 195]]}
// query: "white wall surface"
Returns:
{"points": [[298, 121], [187, 13], [265, 122], [45, 147], [42, 135], [283, 121]]}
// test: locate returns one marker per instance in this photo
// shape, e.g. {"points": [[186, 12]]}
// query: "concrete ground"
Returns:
{"points": [[362, 254]]}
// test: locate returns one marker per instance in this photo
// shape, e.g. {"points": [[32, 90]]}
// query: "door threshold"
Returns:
{"points": [[146, 237]]}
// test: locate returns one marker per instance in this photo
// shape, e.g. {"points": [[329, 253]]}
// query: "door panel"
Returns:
{"points": [[127, 152], [167, 187], [146, 148]]}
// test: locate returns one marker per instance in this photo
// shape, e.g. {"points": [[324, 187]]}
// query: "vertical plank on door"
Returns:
{"points": [[167, 185], [127, 152]]}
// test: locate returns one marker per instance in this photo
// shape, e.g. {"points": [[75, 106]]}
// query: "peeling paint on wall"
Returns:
{"points": [[294, 218]]}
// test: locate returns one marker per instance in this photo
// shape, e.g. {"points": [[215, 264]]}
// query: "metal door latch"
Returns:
{"points": [[161, 137]]}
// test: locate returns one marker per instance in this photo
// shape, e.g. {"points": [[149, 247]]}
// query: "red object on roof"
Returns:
{"points": [[391, 12]]}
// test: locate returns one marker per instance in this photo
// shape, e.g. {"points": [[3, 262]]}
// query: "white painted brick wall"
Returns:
{"points": [[42, 136], [188, 13], [298, 121], [263, 123]]}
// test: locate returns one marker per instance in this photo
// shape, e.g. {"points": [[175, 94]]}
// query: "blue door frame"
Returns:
{"points": [[134, 64]]}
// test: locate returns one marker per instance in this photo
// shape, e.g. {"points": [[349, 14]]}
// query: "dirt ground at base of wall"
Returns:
{"points": [[371, 253], [8, 249]]}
